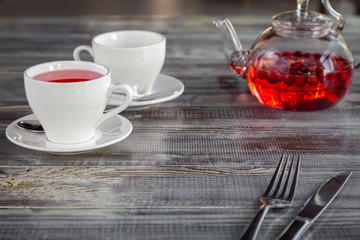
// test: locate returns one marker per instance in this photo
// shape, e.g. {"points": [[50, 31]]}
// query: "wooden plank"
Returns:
{"points": [[230, 135], [165, 224], [160, 186]]}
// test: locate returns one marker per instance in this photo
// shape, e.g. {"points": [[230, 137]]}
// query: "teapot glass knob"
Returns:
{"points": [[302, 5]]}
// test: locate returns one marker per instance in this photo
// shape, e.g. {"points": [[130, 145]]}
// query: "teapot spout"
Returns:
{"points": [[235, 53]]}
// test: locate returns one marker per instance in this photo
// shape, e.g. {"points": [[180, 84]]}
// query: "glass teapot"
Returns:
{"points": [[300, 63]]}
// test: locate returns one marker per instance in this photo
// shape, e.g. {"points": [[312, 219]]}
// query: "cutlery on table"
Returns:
{"points": [[280, 192], [316, 204]]}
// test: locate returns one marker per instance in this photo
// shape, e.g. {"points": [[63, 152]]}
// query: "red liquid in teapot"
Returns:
{"points": [[298, 81], [68, 76]]}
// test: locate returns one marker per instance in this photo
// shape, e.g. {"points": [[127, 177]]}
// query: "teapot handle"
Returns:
{"points": [[339, 18], [357, 63]]}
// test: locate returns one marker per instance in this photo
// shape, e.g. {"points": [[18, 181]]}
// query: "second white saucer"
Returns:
{"points": [[164, 83]]}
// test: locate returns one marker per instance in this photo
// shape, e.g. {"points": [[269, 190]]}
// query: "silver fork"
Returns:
{"points": [[273, 198]]}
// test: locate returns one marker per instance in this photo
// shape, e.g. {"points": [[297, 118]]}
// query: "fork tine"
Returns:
{"points": [[287, 179], [274, 177], [295, 180], [281, 177]]}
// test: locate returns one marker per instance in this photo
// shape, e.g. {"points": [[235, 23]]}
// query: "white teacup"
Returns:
{"points": [[70, 109], [134, 57]]}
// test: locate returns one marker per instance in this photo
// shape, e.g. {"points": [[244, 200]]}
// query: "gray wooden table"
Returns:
{"points": [[194, 167]]}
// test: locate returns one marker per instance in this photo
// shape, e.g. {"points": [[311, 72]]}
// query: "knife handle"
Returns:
{"points": [[295, 229]]}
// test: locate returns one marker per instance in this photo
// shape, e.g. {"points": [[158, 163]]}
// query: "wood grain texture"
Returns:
{"points": [[153, 223], [194, 167]]}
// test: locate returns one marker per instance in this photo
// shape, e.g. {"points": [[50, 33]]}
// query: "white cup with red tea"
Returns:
{"points": [[134, 57], [69, 98]]}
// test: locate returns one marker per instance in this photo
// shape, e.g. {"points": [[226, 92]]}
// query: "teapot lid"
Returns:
{"points": [[302, 23]]}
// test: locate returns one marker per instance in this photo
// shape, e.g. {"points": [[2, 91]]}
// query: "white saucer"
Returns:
{"points": [[111, 131], [164, 83]]}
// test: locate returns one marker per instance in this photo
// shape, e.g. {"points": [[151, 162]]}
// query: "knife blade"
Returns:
{"points": [[314, 206]]}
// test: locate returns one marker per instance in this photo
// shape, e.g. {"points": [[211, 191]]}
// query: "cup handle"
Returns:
{"points": [[77, 50], [122, 88]]}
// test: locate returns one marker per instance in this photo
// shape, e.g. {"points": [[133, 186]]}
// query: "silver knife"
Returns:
{"points": [[314, 207]]}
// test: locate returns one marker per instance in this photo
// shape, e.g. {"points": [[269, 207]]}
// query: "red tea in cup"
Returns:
{"points": [[68, 76]]}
